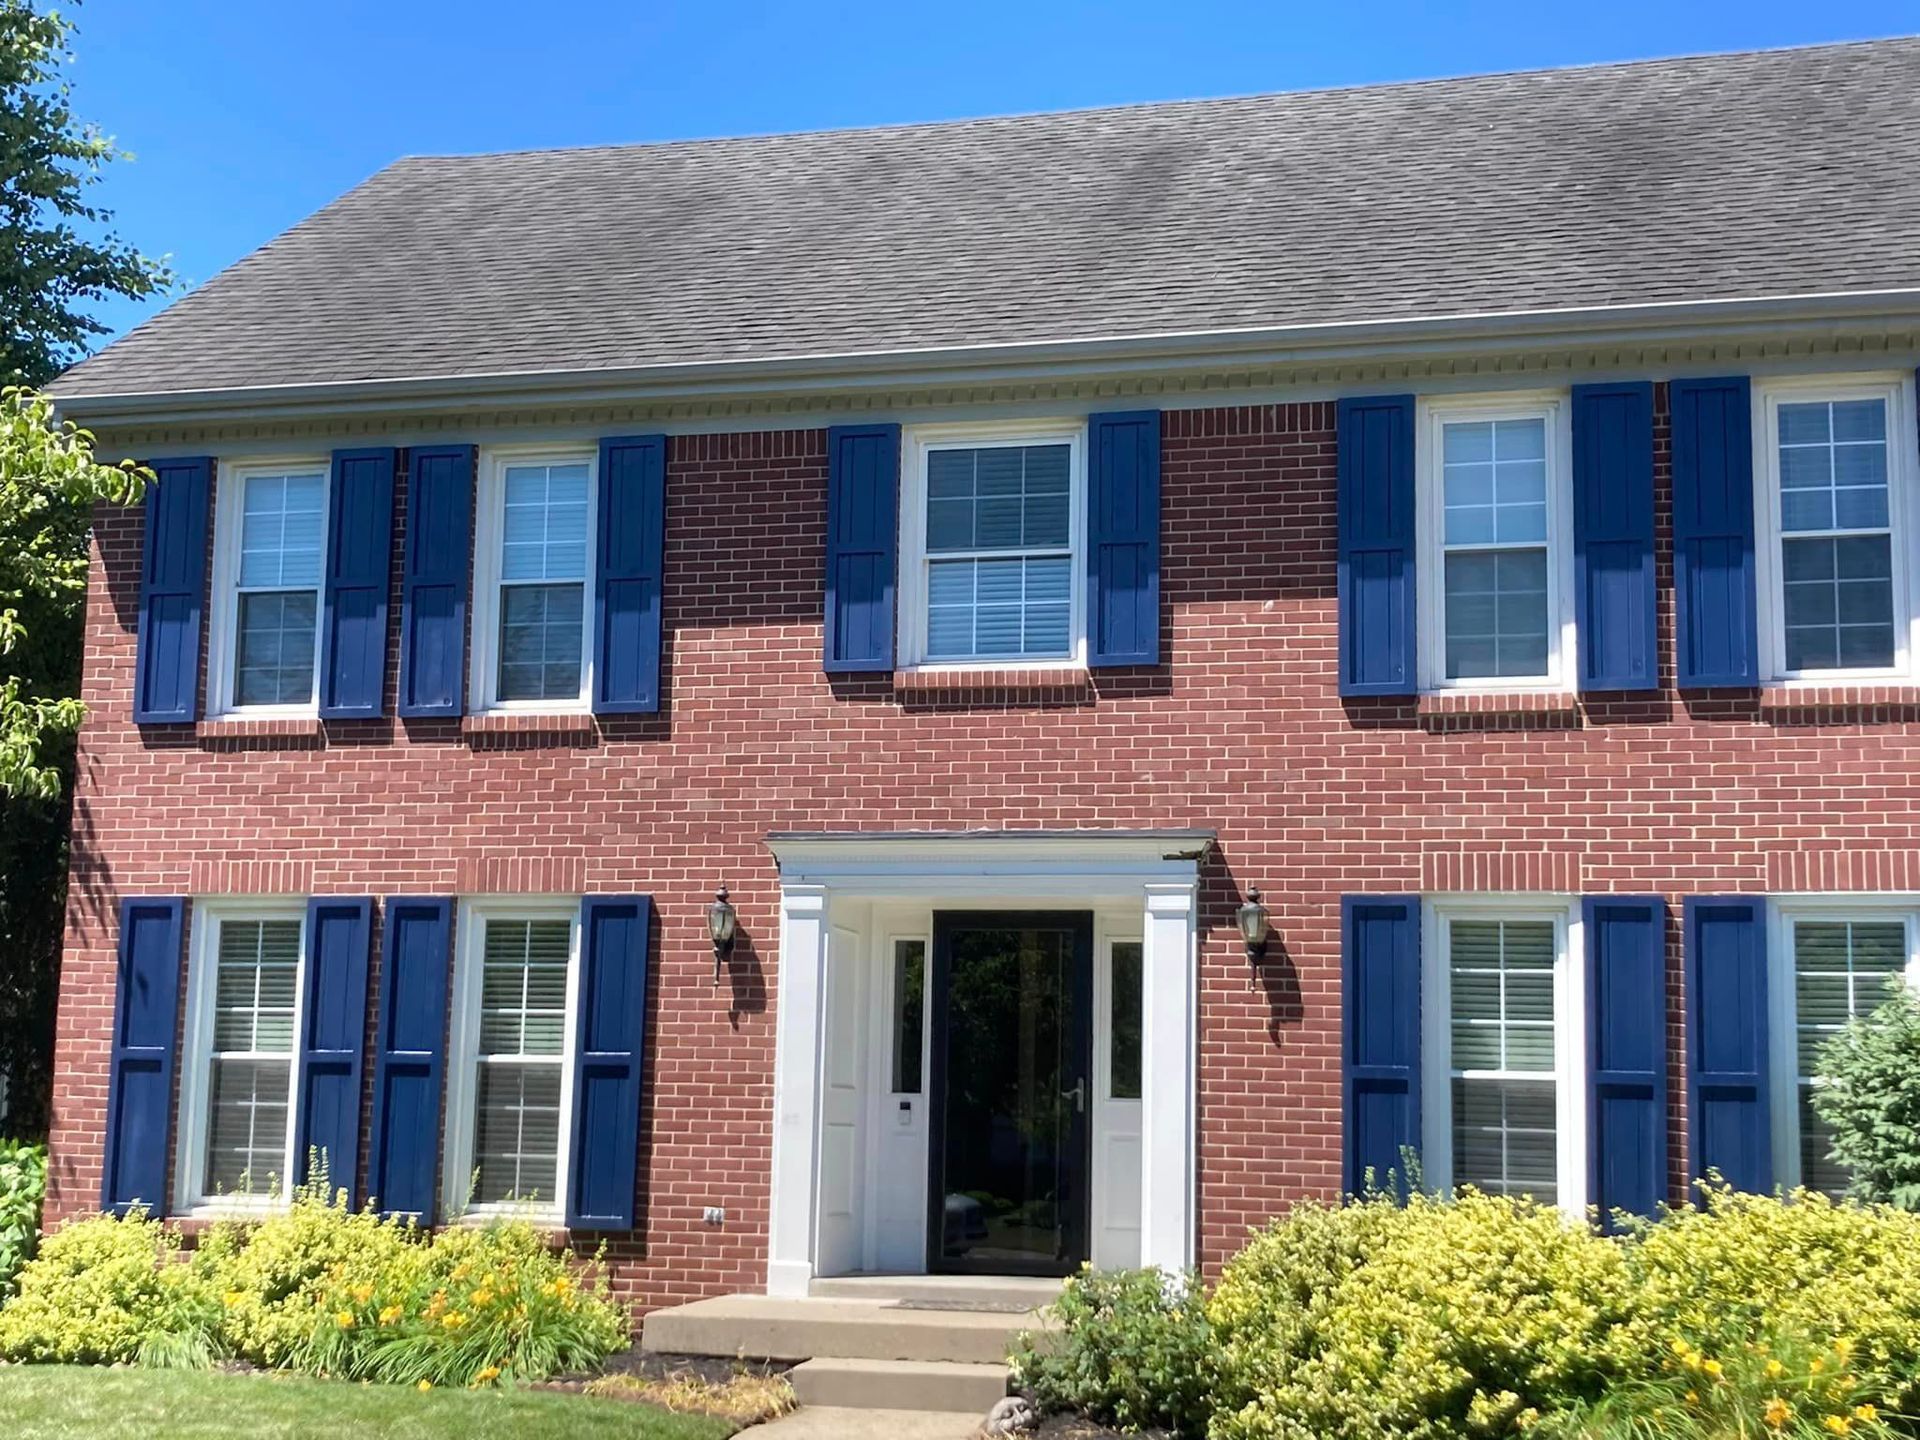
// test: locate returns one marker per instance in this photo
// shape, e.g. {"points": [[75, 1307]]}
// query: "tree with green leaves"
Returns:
{"points": [[1871, 1099], [58, 259]]}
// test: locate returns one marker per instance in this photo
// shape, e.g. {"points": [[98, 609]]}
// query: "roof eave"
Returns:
{"points": [[1149, 353]]}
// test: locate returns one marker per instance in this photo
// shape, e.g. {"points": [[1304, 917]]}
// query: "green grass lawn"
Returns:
{"points": [[65, 1400]]}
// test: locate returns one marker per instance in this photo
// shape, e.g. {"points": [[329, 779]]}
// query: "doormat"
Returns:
{"points": [[973, 1307]]}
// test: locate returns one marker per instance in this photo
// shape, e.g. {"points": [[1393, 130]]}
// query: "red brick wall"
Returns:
{"points": [[1240, 729]]}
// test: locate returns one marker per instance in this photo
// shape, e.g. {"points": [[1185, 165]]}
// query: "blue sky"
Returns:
{"points": [[247, 115]]}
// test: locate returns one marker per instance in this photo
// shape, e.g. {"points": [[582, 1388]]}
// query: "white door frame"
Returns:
{"points": [[1155, 870]]}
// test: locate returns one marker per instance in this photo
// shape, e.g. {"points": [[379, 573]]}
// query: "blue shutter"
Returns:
{"points": [[611, 1029], [1613, 536], [1380, 1032], [1729, 1122], [1713, 584], [863, 545], [173, 580], [1626, 940], [353, 624], [433, 590], [1123, 538], [333, 1024], [146, 1011], [409, 1055], [1377, 596], [626, 582]]}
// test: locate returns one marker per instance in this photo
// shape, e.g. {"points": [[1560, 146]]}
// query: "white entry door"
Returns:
{"points": [[839, 1235]]}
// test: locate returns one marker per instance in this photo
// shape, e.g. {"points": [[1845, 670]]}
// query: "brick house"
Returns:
{"points": [[1482, 516]]}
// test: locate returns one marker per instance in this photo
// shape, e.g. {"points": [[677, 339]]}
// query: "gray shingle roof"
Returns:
{"points": [[1765, 173]]}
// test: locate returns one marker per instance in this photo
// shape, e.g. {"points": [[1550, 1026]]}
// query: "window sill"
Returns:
{"points": [[1839, 695], [529, 722], [1498, 702], [992, 680], [246, 727]]}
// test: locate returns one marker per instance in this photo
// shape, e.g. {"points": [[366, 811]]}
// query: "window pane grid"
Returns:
{"points": [[543, 581], [519, 1058], [276, 588], [1494, 527], [1503, 1056], [999, 552], [250, 1066], [1840, 973], [1836, 549]]}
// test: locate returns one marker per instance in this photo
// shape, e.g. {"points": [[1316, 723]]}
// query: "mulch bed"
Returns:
{"points": [[1076, 1427]]}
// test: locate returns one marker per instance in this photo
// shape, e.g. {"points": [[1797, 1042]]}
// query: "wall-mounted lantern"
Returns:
{"points": [[1252, 920], [721, 922]]}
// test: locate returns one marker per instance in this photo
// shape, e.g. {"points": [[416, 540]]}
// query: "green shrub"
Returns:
{"points": [[478, 1306], [273, 1274], [1131, 1349], [1872, 1100], [104, 1290], [1737, 1271], [1786, 1388], [1470, 1317], [23, 1184]]}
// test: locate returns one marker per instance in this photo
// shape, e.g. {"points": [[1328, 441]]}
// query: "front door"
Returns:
{"points": [[1010, 1077]]}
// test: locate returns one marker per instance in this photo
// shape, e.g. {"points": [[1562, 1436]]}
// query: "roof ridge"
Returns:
{"points": [[1467, 78]]}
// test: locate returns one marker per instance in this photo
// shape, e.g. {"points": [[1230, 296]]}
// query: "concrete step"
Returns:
{"points": [[828, 1423], [898, 1385], [1009, 1292], [764, 1328]]}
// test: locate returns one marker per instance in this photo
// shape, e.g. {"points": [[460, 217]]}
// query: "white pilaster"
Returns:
{"points": [[796, 1087], [1169, 1076]]}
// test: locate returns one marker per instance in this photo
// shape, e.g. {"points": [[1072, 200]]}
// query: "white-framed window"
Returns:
{"points": [[510, 1089], [992, 545], [244, 982], [1504, 1049], [269, 558], [1494, 519], [1831, 960], [533, 578], [1835, 458]]}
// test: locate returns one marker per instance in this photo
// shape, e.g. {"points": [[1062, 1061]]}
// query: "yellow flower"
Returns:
{"points": [[491, 1372], [390, 1314], [1777, 1413], [362, 1293], [483, 1297], [1843, 1347], [1868, 1413], [1693, 1397], [1680, 1346], [234, 1297], [1775, 1369], [1838, 1424], [424, 1386], [1816, 1365], [1712, 1367], [453, 1320], [344, 1319]]}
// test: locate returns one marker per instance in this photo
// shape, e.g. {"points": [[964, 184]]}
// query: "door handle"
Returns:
{"points": [[1078, 1094]]}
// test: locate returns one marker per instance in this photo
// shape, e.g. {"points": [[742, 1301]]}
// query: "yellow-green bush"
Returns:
{"points": [[104, 1290], [1738, 1270], [273, 1273], [480, 1305], [1439, 1319]]}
